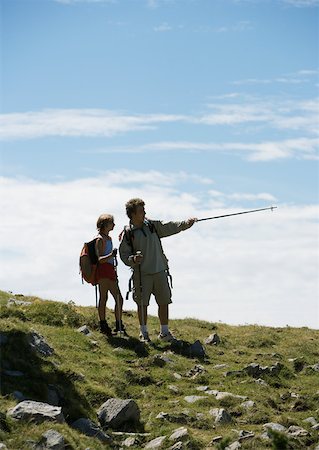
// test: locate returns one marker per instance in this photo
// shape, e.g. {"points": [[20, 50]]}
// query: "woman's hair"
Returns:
{"points": [[103, 220], [132, 204]]}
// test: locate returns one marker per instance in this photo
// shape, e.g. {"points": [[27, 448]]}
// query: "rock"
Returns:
{"points": [[179, 433], [114, 412], [261, 382], [130, 441], [311, 420], [39, 345], [297, 431], [13, 301], [19, 396], [178, 446], [3, 339], [298, 363], [13, 373], [221, 415], [195, 371], [248, 405], [51, 440], [220, 366], [274, 427], [177, 376], [234, 446], [222, 395], [54, 395], [37, 412], [156, 443], [194, 398], [89, 428], [233, 373], [202, 388], [255, 370], [245, 435], [213, 339], [197, 350], [84, 330], [3, 446], [159, 361], [173, 388]]}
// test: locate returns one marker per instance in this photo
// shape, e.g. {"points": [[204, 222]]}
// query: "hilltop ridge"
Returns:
{"points": [[250, 376]]}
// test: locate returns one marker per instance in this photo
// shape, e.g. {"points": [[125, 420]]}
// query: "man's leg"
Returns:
{"points": [[163, 314]]}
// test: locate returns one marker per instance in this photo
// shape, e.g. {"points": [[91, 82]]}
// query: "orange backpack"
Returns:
{"points": [[88, 262]]}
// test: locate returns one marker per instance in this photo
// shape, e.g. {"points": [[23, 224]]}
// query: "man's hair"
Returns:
{"points": [[131, 206], [103, 220]]}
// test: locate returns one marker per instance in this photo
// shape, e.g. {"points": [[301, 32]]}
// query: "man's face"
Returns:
{"points": [[139, 215]]}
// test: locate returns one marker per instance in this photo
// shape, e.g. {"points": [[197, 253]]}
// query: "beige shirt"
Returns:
{"points": [[148, 243]]}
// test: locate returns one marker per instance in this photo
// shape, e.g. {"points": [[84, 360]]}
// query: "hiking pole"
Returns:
{"points": [[118, 289], [236, 214], [139, 253]]}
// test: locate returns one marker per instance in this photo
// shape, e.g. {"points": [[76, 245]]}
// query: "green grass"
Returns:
{"points": [[88, 373]]}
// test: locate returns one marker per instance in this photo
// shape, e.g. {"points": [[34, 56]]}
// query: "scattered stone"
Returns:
{"points": [[220, 366], [177, 376], [51, 440], [261, 382], [159, 361], [248, 405], [234, 446], [216, 439], [3, 446], [38, 412], [173, 388], [89, 428], [180, 433], [39, 345], [114, 412], [197, 350], [3, 339], [233, 373], [156, 443], [202, 388], [297, 431], [245, 435], [194, 398], [311, 420], [222, 395], [13, 373], [84, 330], [195, 371], [221, 415], [213, 339], [130, 441], [18, 396], [275, 427], [178, 446], [13, 301], [255, 370]]}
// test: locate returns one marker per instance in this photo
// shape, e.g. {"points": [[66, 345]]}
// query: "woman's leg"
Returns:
{"points": [[103, 289]]}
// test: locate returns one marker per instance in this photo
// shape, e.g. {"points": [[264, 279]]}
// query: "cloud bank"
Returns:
{"points": [[258, 268]]}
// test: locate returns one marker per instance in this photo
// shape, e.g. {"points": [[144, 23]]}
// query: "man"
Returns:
{"points": [[141, 249]]}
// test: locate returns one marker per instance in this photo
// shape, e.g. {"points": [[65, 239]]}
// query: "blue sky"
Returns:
{"points": [[198, 106]]}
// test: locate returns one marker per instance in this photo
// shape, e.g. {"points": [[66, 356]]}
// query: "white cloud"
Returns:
{"points": [[300, 148], [76, 122], [255, 268], [163, 27], [302, 3]]}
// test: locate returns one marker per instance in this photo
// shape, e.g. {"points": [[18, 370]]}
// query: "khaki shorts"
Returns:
{"points": [[156, 284]]}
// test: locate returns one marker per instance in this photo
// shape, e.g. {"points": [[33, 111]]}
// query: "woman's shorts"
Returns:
{"points": [[156, 284], [105, 270]]}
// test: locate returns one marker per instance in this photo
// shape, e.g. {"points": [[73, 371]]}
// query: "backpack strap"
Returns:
{"points": [[153, 229]]}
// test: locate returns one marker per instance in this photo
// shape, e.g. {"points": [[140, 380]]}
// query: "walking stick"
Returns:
{"points": [[118, 290], [236, 214], [141, 290]]}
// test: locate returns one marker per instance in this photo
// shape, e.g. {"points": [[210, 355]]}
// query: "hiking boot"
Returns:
{"points": [[144, 337], [167, 337], [119, 327], [105, 329]]}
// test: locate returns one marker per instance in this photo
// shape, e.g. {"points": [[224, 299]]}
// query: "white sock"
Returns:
{"points": [[164, 329], [143, 329]]}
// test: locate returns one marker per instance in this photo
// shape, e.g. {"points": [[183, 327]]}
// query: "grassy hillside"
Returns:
{"points": [[88, 370]]}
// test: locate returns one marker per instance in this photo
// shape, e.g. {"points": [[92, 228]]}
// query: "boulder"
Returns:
{"points": [[38, 344], [156, 443], [179, 434], [213, 339], [37, 412], [115, 412], [91, 429], [51, 440]]}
